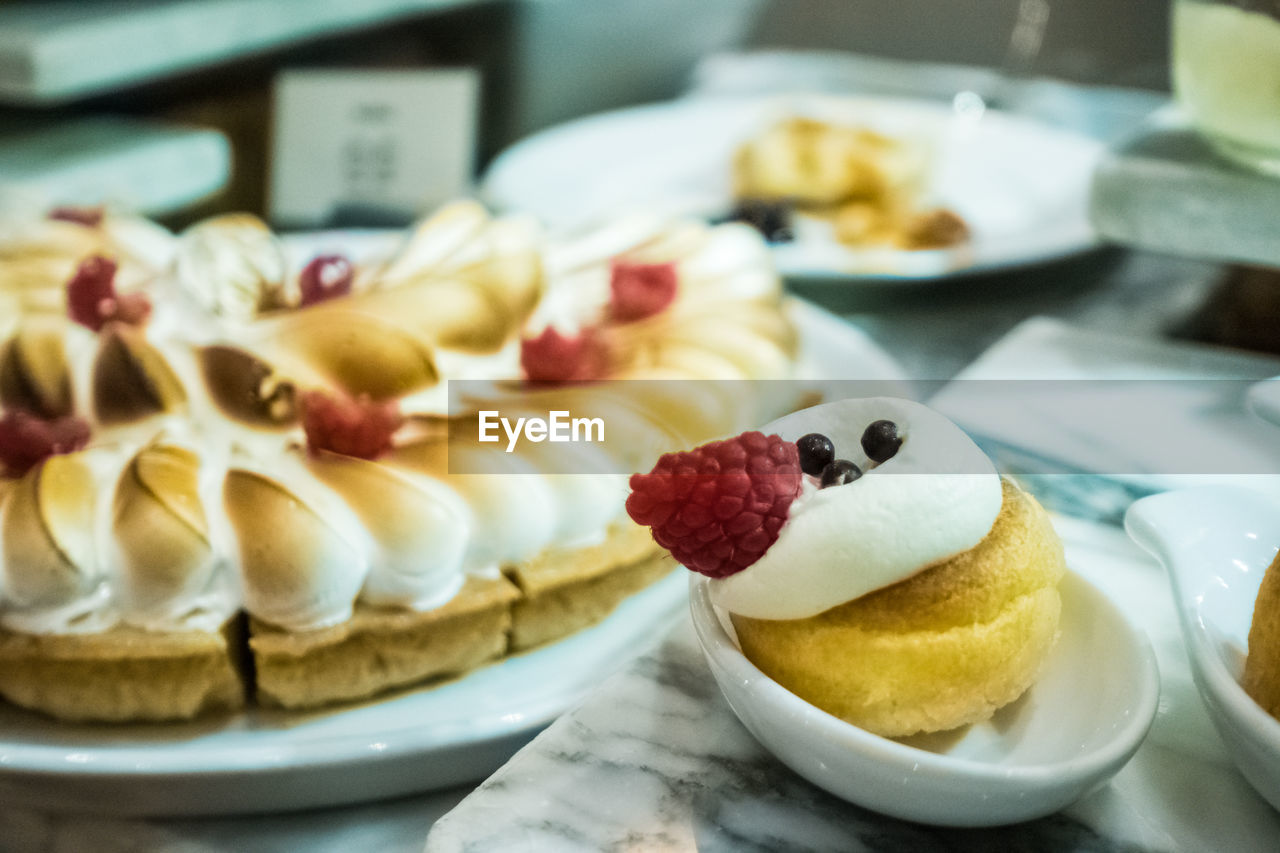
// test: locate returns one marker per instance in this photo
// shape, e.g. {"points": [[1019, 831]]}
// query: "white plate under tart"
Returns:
{"points": [[427, 738]]}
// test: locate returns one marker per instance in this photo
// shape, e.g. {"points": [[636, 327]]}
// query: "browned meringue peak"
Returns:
{"points": [[507, 263], [34, 373], [677, 240], [39, 254], [358, 351], [767, 321], [433, 246], [726, 346], [235, 267], [424, 454], [298, 571], [755, 336], [514, 508], [420, 527], [47, 533], [451, 314], [131, 379], [461, 243], [386, 503], [11, 306], [160, 527], [247, 389], [36, 235]]}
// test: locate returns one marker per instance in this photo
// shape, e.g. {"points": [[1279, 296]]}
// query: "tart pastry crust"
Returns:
{"points": [[125, 674]]}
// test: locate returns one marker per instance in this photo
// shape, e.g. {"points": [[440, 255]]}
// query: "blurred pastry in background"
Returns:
{"points": [[870, 186]]}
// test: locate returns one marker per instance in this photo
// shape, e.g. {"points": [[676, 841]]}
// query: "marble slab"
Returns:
{"points": [[656, 759], [1167, 191]]}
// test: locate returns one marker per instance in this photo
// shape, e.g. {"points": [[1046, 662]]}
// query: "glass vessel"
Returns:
{"points": [[1226, 74]]}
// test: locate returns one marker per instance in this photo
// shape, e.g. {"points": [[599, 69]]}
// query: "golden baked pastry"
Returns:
{"points": [[379, 649], [942, 649], [868, 185], [1262, 665], [244, 457], [565, 589], [125, 674]]}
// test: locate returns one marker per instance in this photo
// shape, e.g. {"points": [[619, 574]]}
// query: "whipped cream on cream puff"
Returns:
{"points": [[937, 496]]}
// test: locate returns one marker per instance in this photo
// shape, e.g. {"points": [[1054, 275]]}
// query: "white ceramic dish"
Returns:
{"points": [[1080, 723], [262, 761], [1216, 543], [1022, 186]]}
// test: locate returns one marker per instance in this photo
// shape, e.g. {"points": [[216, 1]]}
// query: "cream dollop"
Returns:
{"points": [[938, 496]]}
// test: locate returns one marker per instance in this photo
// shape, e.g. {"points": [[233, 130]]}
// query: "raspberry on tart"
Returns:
{"points": [[718, 508], [92, 300], [325, 277], [26, 440], [351, 426], [555, 357], [639, 291]]}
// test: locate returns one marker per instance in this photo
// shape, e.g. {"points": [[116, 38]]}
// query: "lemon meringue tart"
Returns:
{"points": [[227, 474]]}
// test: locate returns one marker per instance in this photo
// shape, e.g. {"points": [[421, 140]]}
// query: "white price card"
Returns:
{"points": [[390, 143]]}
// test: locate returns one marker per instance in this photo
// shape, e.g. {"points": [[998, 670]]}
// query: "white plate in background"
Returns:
{"points": [[1023, 187]]}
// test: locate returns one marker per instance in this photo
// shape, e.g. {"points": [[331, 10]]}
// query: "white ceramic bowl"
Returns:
{"points": [[1216, 543], [1074, 729]]}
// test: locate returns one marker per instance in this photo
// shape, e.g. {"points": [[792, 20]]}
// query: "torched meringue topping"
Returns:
{"points": [[197, 498]]}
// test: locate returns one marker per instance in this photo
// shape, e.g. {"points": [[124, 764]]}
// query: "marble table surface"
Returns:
{"points": [[656, 759]]}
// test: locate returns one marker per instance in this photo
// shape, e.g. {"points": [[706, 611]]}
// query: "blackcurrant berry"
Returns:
{"points": [[880, 441], [816, 453], [839, 472]]}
